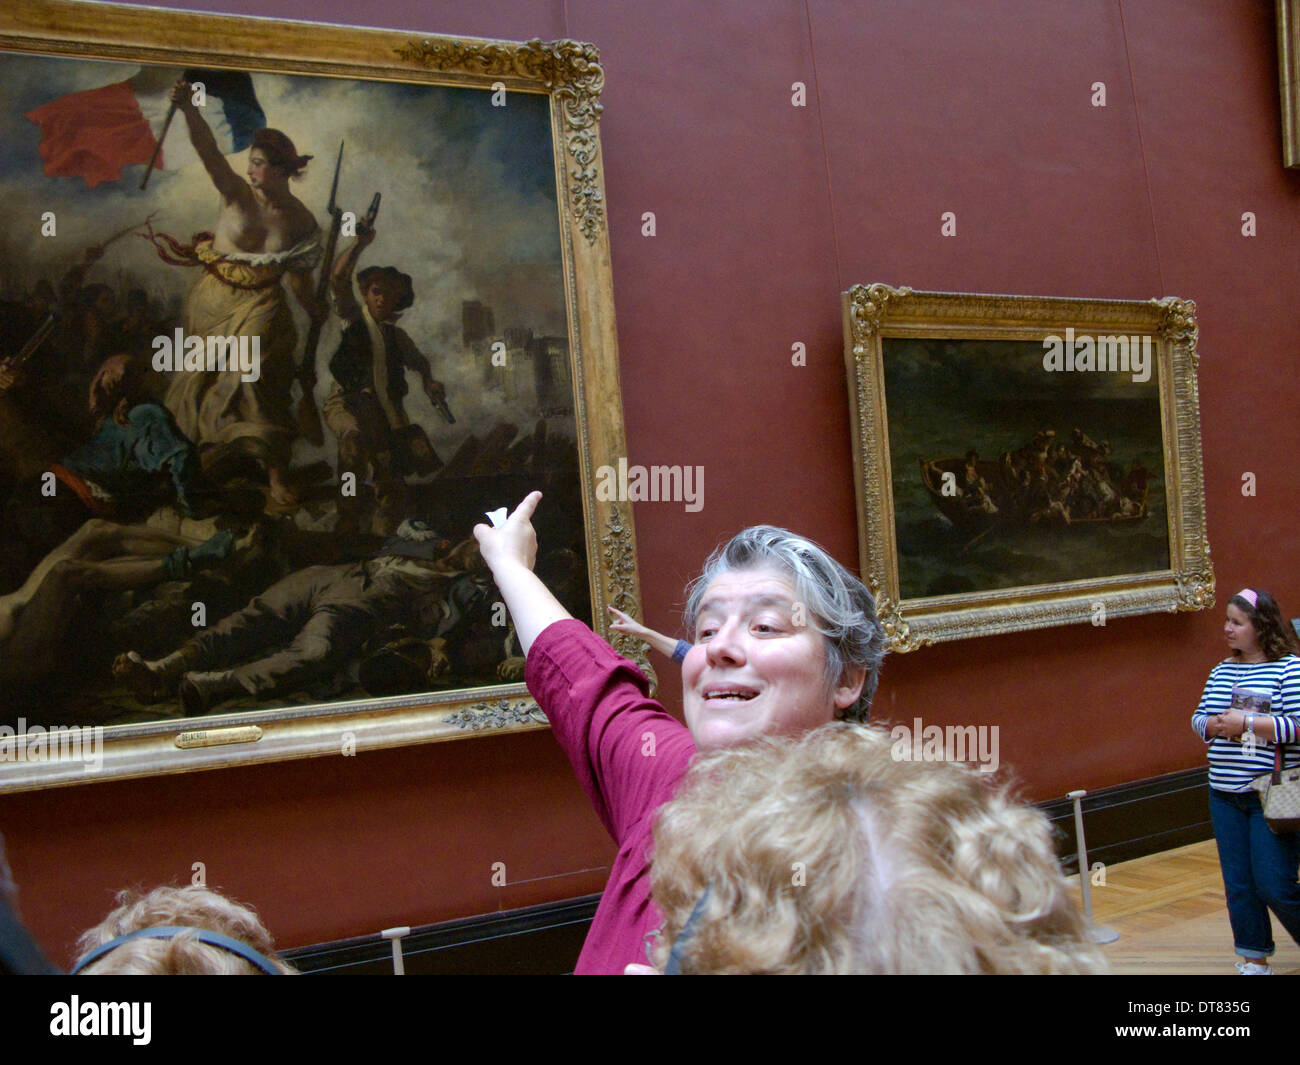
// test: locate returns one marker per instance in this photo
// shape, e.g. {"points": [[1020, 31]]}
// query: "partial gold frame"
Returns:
{"points": [[570, 73], [1288, 66], [876, 311]]}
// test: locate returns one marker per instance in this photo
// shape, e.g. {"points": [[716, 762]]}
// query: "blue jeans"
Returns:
{"points": [[1259, 871]]}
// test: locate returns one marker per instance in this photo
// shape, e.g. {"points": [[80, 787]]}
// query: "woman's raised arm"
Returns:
{"points": [[510, 552], [231, 186]]}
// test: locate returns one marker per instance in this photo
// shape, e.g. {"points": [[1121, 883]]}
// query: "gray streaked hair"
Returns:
{"points": [[838, 604]]}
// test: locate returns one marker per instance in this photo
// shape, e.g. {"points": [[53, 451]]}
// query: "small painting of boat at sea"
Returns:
{"points": [[1024, 461]]}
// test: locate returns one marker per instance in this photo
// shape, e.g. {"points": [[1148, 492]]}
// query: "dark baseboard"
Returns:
{"points": [[1123, 822], [1130, 820], [538, 941]]}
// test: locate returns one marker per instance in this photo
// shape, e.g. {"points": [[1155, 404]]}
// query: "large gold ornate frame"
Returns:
{"points": [[570, 74], [877, 311]]}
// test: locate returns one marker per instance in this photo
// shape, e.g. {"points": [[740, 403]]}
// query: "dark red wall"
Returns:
{"points": [[765, 213]]}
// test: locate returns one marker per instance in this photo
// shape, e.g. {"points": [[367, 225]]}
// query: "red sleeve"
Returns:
{"points": [[626, 750]]}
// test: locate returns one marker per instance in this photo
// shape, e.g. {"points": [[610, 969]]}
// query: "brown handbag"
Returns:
{"points": [[1279, 794]]}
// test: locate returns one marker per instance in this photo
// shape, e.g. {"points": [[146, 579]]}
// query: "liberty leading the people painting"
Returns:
{"points": [[270, 346]]}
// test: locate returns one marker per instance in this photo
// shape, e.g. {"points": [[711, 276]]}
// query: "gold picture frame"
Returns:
{"points": [[1288, 64], [975, 516], [559, 80]]}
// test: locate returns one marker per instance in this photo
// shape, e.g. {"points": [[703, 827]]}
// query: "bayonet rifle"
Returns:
{"points": [[308, 416]]}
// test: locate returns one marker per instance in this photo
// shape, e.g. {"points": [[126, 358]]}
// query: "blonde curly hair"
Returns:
{"points": [[195, 908], [823, 854]]}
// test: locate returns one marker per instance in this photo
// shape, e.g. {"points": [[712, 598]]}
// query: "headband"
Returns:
{"points": [[204, 935], [674, 964], [1251, 597]]}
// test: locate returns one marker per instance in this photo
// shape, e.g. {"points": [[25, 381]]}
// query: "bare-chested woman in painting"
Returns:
{"points": [[264, 235]]}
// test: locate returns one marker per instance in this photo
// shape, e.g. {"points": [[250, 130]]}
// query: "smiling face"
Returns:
{"points": [[756, 668], [1240, 632]]}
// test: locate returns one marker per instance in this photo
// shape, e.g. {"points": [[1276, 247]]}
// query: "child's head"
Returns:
{"points": [[828, 853], [194, 913], [386, 291], [1257, 611]]}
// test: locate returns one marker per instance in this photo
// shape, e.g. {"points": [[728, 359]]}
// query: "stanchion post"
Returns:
{"points": [[1096, 933], [395, 935]]}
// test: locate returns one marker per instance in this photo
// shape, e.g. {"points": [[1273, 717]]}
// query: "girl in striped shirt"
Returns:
{"points": [[1251, 702]]}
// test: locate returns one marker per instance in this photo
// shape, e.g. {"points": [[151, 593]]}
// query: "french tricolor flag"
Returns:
{"points": [[94, 134]]}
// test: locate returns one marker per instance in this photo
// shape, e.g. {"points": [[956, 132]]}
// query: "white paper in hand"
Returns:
{"points": [[497, 517]]}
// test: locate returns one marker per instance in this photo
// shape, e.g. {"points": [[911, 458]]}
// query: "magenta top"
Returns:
{"points": [[629, 755]]}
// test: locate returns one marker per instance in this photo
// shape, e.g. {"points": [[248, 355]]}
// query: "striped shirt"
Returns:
{"points": [[1232, 765]]}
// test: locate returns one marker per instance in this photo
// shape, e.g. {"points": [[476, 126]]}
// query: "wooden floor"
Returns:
{"points": [[1171, 917]]}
